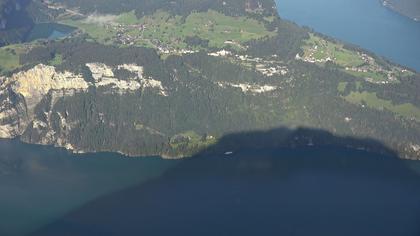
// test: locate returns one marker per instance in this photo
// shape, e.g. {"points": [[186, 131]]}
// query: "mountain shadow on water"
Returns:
{"points": [[272, 183]]}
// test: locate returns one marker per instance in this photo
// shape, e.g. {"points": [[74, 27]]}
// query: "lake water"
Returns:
{"points": [[309, 191], [365, 23], [49, 31], [39, 184]]}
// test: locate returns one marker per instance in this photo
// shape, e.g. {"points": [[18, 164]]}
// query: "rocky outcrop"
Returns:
{"points": [[249, 88], [22, 92], [13, 115], [104, 76], [35, 83]]}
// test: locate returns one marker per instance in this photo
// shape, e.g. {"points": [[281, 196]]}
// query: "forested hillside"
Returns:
{"points": [[170, 78]]}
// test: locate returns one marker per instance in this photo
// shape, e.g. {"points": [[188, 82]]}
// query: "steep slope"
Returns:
{"points": [[172, 77]]}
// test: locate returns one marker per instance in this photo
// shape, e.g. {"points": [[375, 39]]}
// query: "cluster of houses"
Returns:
{"points": [[122, 37], [369, 65], [266, 67], [310, 57]]}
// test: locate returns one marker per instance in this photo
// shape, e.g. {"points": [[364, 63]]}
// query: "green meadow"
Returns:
{"points": [[406, 110], [162, 28]]}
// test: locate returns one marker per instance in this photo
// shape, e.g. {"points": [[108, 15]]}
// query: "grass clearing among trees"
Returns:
{"points": [[9, 58], [406, 110]]}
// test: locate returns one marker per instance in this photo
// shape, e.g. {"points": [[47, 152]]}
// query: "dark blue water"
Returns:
{"points": [[41, 184], [309, 191], [365, 23]]}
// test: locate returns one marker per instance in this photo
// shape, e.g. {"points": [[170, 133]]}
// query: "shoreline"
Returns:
{"points": [[78, 153], [391, 7]]}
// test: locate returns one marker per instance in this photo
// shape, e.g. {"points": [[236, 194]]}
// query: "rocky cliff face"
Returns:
{"points": [[13, 116], [22, 93], [122, 108]]}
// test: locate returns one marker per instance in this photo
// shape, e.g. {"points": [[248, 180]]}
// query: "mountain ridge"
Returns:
{"points": [[171, 78]]}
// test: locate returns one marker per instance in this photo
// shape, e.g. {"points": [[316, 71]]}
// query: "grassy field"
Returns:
{"points": [[342, 86], [161, 28], [57, 60], [321, 49], [127, 18], [375, 76], [406, 110], [9, 57], [97, 31], [218, 28]]}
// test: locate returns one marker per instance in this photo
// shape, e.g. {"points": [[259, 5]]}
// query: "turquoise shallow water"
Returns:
{"points": [[365, 23], [49, 31], [57, 34]]}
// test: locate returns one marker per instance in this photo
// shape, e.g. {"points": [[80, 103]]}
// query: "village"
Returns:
{"points": [[266, 67], [321, 51]]}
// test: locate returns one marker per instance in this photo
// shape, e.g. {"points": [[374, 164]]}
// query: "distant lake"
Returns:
{"points": [[49, 31], [365, 23], [309, 191]]}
